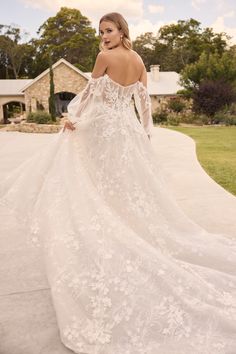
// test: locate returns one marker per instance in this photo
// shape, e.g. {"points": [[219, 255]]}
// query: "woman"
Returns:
{"points": [[119, 62], [129, 272]]}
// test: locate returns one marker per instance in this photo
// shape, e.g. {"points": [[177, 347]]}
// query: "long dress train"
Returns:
{"points": [[129, 272]]}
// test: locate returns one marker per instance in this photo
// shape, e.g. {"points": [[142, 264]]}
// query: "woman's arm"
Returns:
{"points": [[143, 77], [143, 103], [77, 105]]}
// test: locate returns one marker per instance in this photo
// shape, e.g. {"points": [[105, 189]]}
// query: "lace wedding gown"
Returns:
{"points": [[129, 272]]}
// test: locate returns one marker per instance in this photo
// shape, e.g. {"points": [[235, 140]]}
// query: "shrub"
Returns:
{"points": [[219, 118], [30, 117], [173, 120], [188, 117], [39, 117], [186, 93], [212, 96], [230, 120], [225, 116], [159, 117], [232, 109], [13, 110], [196, 119], [176, 105]]}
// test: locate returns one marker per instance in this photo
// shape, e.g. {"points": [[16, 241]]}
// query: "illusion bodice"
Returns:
{"points": [[117, 97], [106, 96]]}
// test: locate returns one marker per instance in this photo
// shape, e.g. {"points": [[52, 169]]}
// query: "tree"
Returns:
{"points": [[69, 35], [154, 52], [12, 53], [209, 67], [4, 74], [144, 45], [52, 108], [177, 45], [211, 96], [188, 40], [232, 52], [176, 104]]}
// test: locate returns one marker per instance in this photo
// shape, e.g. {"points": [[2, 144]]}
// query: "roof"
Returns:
{"points": [[45, 72], [167, 83], [13, 87]]}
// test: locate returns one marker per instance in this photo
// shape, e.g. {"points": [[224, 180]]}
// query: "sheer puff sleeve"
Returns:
{"points": [[79, 106], [143, 105]]}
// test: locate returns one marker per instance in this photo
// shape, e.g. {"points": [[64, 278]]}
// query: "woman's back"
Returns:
{"points": [[123, 66]]}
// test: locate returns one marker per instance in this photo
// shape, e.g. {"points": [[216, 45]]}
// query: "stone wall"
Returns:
{"points": [[65, 80], [33, 128], [155, 102], [160, 101]]}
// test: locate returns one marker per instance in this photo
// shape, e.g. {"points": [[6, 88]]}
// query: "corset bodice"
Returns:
{"points": [[115, 96]]}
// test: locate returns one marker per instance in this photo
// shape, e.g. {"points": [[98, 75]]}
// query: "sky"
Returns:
{"points": [[141, 15]]}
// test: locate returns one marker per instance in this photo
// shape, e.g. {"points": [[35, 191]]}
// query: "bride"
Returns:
{"points": [[129, 272]]}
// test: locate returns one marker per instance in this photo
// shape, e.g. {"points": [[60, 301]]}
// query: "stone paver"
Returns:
{"points": [[27, 317]]}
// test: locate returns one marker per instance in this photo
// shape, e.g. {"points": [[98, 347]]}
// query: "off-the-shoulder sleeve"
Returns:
{"points": [[143, 105], [79, 104]]}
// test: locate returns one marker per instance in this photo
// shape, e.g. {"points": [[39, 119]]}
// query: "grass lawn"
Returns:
{"points": [[216, 152]]}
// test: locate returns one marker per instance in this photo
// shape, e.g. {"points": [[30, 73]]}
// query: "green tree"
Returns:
{"points": [[209, 67], [188, 40], [144, 45], [153, 51], [177, 45], [68, 35], [13, 54], [4, 64], [52, 107], [176, 104], [232, 51]]}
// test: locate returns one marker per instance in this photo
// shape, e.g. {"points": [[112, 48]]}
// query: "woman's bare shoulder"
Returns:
{"points": [[106, 56], [137, 55], [103, 54]]}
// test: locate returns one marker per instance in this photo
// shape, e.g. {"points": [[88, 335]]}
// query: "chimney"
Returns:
{"points": [[155, 72]]}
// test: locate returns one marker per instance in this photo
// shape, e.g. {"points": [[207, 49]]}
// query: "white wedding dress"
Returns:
{"points": [[129, 272]]}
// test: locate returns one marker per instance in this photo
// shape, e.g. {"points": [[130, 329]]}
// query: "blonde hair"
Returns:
{"points": [[121, 24]]}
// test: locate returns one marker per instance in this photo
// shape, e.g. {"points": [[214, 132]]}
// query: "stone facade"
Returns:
{"points": [[155, 102], [65, 80], [160, 102]]}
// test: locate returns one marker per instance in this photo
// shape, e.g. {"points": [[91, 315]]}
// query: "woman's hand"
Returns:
{"points": [[69, 125]]}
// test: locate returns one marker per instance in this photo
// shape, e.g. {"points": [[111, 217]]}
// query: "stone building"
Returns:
{"points": [[33, 94], [68, 81], [11, 91], [162, 85]]}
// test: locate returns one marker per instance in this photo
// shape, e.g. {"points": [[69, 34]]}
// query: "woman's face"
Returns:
{"points": [[110, 34]]}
